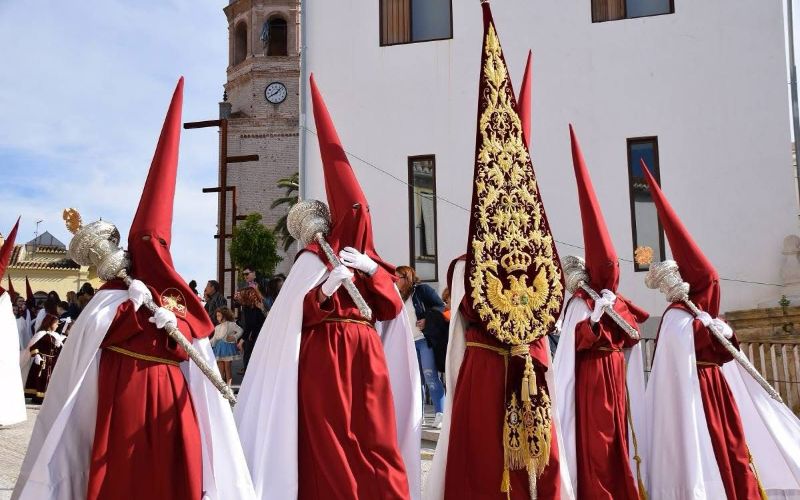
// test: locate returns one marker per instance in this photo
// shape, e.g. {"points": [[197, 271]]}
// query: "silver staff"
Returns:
{"points": [[98, 244], [665, 276], [576, 276], [310, 220]]}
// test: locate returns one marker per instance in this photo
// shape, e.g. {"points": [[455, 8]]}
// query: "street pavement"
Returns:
{"points": [[14, 441]]}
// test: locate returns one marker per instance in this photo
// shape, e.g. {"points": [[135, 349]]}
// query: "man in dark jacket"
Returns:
{"points": [[214, 300]]}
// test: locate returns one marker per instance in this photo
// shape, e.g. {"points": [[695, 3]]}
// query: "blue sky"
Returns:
{"points": [[83, 92]]}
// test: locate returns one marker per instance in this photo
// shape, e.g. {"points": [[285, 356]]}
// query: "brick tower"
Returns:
{"points": [[262, 106]]}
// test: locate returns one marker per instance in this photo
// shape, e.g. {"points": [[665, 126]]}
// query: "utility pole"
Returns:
{"points": [[223, 189], [36, 235], [793, 88]]}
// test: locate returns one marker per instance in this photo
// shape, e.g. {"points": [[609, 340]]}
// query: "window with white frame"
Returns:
{"points": [[648, 236], [422, 217]]}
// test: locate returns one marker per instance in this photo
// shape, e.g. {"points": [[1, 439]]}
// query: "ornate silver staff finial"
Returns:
{"points": [[310, 220], [97, 244], [306, 219], [666, 277], [576, 277]]}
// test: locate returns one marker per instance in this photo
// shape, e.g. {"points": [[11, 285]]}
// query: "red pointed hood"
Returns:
{"points": [[601, 257], [695, 268], [30, 300], [11, 290], [524, 101], [150, 235], [350, 217], [5, 252], [602, 262]]}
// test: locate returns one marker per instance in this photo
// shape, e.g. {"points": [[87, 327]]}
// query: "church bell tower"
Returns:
{"points": [[261, 105]]}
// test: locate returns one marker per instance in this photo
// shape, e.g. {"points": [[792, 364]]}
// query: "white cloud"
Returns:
{"points": [[84, 89]]}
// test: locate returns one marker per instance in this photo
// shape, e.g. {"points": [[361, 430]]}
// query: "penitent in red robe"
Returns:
{"points": [[722, 416], [601, 410], [147, 441], [347, 433], [475, 455]]}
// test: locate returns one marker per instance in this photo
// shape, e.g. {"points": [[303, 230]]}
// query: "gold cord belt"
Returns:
{"points": [[706, 363], [143, 357], [526, 427], [349, 320], [608, 349]]}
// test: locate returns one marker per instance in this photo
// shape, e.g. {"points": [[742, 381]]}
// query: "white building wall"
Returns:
{"points": [[709, 81]]}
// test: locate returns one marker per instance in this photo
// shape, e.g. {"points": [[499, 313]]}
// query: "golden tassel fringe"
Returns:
{"points": [[505, 485]]}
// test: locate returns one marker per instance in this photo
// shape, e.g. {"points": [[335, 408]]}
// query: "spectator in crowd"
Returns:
{"points": [[50, 307], [422, 303], [251, 319], [226, 335], [64, 319], [250, 277], [447, 306], [87, 289], [273, 288], [193, 287], [83, 299], [214, 299], [24, 322], [74, 307]]}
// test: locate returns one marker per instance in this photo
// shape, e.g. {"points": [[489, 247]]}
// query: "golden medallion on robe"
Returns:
{"points": [[513, 276], [172, 299]]}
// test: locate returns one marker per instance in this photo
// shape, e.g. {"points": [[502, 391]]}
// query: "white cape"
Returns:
{"points": [[772, 432], [681, 462], [267, 412], [456, 347], [564, 366], [56, 465], [25, 327], [12, 397]]}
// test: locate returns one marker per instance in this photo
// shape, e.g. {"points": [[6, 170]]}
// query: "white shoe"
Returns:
{"points": [[437, 421]]}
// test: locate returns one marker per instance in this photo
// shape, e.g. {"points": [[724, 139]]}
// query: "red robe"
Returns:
{"points": [[722, 416], [475, 455], [347, 434], [601, 410], [147, 441]]}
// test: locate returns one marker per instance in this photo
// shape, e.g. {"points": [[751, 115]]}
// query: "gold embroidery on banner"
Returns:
{"points": [[509, 221]]}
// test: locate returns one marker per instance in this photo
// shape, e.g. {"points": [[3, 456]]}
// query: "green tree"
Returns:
{"points": [[292, 186], [254, 244]]}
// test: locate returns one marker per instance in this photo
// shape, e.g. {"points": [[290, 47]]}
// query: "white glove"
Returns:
{"points": [[335, 280], [163, 317], [138, 293], [37, 360], [607, 298], [558, 325], [707, 321], [357, 260]]}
